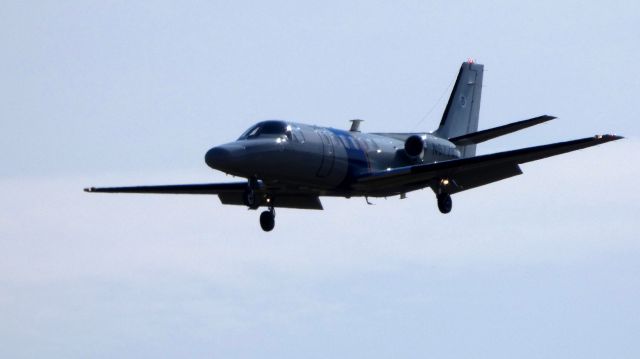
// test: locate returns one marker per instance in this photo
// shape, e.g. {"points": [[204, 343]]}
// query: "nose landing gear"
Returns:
{"points": [[249, 196], [268, 219], [249, 199], [253, 197]]}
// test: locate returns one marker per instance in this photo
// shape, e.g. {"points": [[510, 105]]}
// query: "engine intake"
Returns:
{"points": [[414, 146]]}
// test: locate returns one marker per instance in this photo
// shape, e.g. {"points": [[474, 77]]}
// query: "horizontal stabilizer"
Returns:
{"points": [[485, 135]]}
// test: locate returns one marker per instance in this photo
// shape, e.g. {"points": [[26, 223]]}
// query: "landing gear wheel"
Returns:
{"points": [[249, 199], [267, 220], [444, 203]]}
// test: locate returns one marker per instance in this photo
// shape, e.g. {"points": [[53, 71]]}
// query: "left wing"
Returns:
{"points": [[229, 193], [466, 173]]}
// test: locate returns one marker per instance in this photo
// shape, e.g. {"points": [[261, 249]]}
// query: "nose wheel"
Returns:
{"points": [[268, 219], [444, 203]]}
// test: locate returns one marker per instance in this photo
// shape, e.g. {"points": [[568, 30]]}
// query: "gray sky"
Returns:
{"points": [[544, 265]]}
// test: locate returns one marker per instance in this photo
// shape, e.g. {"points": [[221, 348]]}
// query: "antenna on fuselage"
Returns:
{"points": [[355, 125]]}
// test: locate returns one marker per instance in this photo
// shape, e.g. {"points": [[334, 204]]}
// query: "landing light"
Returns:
{"points": [[444, 182]]}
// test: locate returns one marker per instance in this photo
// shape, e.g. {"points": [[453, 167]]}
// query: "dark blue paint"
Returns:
{"points": [[357, 159]]}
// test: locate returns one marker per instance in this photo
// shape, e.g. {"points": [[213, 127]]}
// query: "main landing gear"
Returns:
{"points": [[444, 202], [268, 219]]}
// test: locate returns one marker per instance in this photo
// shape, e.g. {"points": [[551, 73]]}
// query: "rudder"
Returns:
{"points": [[461, 115]]}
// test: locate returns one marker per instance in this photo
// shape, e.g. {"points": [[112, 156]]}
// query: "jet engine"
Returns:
{"points": [[414, 146]]}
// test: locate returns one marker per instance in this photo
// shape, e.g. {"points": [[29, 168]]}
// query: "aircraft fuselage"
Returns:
{"points": [[322, 158]]}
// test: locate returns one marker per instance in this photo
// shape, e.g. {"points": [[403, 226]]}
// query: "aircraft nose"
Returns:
{"points": [[218, 157]]}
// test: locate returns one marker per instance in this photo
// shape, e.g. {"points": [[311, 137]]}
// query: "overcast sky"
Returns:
{"points": [[544, 265]]}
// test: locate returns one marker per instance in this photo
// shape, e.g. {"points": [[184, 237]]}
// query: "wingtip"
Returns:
{"points": [[89, 189], [545, 118], [609, 137]]}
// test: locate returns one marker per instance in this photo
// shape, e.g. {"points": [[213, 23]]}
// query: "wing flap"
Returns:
{"points": [[279, 201], [465, 180]]}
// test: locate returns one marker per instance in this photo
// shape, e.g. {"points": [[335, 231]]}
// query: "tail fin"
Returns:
{"points": [[461, 114]]}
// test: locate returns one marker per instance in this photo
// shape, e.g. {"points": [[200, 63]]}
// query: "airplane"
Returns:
{"points": [[292, 165]]}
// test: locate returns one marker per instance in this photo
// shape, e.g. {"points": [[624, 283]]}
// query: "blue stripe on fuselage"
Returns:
{"points": [[357, 159]]}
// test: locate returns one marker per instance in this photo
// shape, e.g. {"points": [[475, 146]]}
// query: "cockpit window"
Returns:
{"points": [[267, 129], [252, 132]]}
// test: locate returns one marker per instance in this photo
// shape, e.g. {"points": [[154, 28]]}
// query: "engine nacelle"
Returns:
{"points": [[414, 146]]}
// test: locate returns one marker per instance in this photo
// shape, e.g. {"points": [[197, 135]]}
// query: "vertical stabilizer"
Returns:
{"points": [[461, 114]]}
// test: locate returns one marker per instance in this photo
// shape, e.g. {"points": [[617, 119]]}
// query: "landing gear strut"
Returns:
{"points": [[254, 201], [444, 202], [249, 196], [268, 219]]}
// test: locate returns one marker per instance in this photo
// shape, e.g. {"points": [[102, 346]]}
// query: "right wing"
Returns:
{"points": [[229, 193], [471, 172], [204, 188]]}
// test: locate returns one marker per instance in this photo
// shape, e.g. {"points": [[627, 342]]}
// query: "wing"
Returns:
{"points": [[204, 188], [471, 172], [229, 193]]}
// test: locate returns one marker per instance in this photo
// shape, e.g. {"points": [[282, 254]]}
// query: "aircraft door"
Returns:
{"points": [[328, 155]]}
